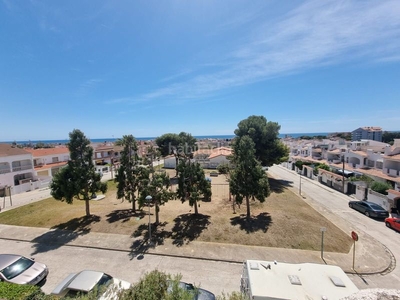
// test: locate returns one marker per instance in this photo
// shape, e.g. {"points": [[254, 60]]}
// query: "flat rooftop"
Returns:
{"points": [[276, 280]]}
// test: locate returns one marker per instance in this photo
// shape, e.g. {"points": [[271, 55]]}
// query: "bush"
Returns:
{"points": [[154, 286], [233, 296], [11, 291], [321, 166], [381, 187]]}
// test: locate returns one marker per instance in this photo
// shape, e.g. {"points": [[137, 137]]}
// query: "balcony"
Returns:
{"points": [[317, 157], [22, 168], [4, 171], [391, 172]]}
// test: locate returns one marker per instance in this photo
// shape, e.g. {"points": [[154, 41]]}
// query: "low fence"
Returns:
{"points": [[379, 199], [29, 186]]}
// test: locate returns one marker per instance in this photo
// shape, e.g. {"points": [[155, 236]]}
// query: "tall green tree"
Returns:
{"points": [[152, 155], [131, 175], [192, 183], [167, 143], [180, 145], [157, 185], [269, 149], [78, 179], [248, 179], [389, 136]]}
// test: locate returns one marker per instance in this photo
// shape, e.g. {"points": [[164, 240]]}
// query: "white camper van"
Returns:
{"points": [[263, 280]]}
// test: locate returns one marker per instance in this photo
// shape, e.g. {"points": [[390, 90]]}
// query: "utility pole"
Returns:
{"points": [[343, 174], [300, 185]]}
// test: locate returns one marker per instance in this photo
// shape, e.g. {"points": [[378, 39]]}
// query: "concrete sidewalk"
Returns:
{"points": [[371, 257]]}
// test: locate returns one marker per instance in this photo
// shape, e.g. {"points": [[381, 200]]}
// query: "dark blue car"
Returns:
{"points": [[370, 209]]}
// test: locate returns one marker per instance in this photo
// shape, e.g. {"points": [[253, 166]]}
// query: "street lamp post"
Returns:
{"points": [[300, 185], [323, 229], [343, 174], [148, 200]]}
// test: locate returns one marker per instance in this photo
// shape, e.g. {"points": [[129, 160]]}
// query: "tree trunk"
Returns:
{"points": [[196, 211], [134, 206], [157, 208], [87, 207], [248, 207]]}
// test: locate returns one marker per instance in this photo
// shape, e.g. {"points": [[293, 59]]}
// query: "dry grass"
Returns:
{"points": [[284, 220]]}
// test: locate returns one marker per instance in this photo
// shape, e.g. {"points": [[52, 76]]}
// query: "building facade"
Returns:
{"points": [[367, 133]]}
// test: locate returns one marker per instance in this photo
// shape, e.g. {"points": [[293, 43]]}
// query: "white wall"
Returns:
{"points": [[170, 162], [379, 199], [8, 178]]}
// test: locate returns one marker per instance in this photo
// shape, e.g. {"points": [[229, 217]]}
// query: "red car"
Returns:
{"points": [[393, 223]]}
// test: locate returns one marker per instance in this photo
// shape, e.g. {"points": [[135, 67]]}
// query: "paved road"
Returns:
{"points": [[337, 203], [214, 276]]}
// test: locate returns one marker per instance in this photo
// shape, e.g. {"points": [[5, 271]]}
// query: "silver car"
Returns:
{"points": [[87, 281], [21, 270]]}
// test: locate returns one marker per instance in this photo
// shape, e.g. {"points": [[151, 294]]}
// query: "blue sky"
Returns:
{"points": [[111, 68]]}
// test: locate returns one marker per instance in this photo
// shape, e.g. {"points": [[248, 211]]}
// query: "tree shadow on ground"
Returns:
{"points": [[124, 215], [188, 227], [158, 236], [255, 223], [63, 233], [279, 185]]}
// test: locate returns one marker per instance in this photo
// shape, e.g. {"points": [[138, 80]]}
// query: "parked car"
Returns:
{"points": [[21, 270], [370, 209], [87, 281], [198, 293], [393, 223]]}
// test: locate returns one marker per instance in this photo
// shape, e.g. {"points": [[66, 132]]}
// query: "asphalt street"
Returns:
{"points": [[335, 202], [215, 276]]}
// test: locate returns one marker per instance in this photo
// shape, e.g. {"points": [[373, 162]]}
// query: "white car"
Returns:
{"points": [[87, 281], [21, 270]]}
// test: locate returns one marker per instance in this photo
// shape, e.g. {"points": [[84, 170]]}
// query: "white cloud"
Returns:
{"points": [[88, 85], [315, 34]]}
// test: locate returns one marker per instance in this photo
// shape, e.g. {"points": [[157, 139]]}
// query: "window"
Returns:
{"points": [[17, 268], [54, 159]]}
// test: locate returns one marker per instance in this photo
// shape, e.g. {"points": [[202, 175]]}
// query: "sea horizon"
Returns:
{"points": [[220, 137]]}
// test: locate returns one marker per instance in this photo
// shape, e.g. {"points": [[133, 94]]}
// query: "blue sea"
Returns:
{"points": [[102, 140]]}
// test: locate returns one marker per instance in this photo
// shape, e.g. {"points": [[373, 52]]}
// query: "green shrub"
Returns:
{"points": [[233, 296], [11, 291], [381, 187], [154, 286], [321, 166]]}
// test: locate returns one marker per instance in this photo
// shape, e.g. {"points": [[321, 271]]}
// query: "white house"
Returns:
{"points": [[17, 174], [48, 161], [219, 156]]}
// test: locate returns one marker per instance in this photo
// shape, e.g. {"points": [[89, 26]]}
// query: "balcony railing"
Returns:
{"points": [[5, 171], [391, 172], [22, 168]]}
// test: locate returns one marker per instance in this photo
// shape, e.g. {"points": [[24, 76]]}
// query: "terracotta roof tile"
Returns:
{"points": [[214, 152], [8, 150], [48, 151], [394, 192], [336, 151], [224, 152], [361, 153], [393, 157], [50, 166]]}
